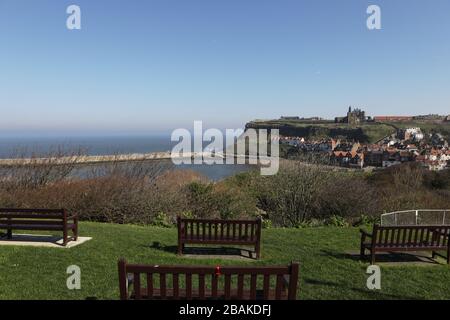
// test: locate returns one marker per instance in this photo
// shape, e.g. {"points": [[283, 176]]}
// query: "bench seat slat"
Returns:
{"points": [[44, 227], [25, 210], [30, 216], [212, 241], [195, 295], [206, 269], [31, 222], [411, 246], [215, 220]]}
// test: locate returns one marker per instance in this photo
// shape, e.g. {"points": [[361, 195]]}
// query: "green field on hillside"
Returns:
{"points": [[365, 133], [327, 271]]}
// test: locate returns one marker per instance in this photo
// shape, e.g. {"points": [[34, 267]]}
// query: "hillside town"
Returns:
{"points": [[405, 145]]}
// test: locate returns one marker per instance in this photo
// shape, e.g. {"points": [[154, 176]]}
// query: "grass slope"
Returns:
{"points": [[325, 271]]}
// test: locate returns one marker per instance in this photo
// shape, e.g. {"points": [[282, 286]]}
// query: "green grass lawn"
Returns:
{"points": [[326, 272]]}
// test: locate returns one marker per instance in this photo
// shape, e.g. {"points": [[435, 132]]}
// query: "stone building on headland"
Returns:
{"points": [[355, 116]]}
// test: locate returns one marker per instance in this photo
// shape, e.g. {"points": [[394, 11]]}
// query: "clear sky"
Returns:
{"points": [[149, 66]]}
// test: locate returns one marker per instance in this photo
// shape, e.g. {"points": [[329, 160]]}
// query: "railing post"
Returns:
{"points": [[180, 230], [258, 238], [9, 231], [65, 233], [123, 279], [293, 281]]}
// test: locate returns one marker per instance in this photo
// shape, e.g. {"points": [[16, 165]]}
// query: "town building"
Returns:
{"points": [[410, 134]]}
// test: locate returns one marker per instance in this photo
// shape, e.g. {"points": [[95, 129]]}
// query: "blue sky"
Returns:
{"points": [[151, 66]]}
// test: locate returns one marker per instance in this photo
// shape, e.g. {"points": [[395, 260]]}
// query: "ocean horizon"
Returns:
{"points": [[23, 146]]}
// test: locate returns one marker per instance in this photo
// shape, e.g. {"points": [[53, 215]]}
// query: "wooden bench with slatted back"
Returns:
{"points": [[406, 238], [39, 219], [207, 282], [216, 231]]}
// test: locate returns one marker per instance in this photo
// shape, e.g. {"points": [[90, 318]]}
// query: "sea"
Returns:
{"points": [[26, 146]]}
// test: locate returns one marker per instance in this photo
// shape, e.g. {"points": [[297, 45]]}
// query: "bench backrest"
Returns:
{"points": [[32, 216], [220, 230], [202, 282], [411, 236]]}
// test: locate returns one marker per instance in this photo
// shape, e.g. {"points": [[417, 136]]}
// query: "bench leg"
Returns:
{"points": [[362, 252], [372, 257], [9, 234], [433, 254], [75, 233], [448, 255], [65, 237], [180, 248], [258, 251]]}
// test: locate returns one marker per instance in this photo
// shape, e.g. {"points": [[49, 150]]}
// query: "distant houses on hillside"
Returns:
{"points": [[409, 145], [406, 145]]}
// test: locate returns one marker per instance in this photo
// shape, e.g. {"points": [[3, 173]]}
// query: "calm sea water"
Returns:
{"points": [[13, 147]]}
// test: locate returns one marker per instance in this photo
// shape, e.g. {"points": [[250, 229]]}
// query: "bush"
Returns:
{"points": [[347, 195], [149, 193], [266, 224], [290, 197], [162, 220], [337, 221]]}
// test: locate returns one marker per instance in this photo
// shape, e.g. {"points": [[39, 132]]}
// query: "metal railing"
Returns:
{"points": [[416, 217]]}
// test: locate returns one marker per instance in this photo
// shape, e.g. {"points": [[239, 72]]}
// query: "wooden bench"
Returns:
{"points": [[207, 282], [213, 231], [39, 219], [406, 238]]}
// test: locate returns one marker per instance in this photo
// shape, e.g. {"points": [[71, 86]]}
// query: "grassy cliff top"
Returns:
{"points": [[366, 132], [369, 132]]}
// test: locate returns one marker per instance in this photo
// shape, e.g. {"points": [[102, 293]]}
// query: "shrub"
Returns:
{"points": [[162, 220], [149, 193], [266, 224], [289, 198], [337, 221]]}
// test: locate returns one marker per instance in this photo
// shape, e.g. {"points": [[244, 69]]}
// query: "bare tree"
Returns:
{"points": [[39, 169]]}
